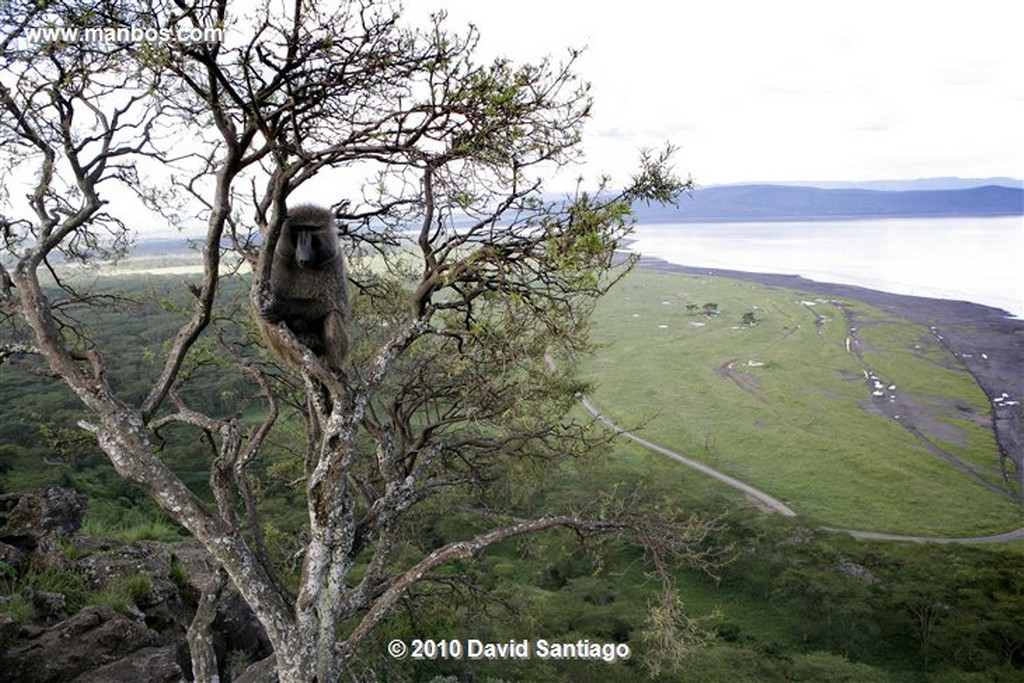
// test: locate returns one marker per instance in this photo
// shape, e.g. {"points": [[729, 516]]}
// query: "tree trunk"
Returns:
{"points": [[200, 641]]}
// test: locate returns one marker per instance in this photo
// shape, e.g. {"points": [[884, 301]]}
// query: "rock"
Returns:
{"points": [[32, 522], [12, 557], [53, 512], [161, 583], [91, 639], [50, 608], [179, 573], [148, 665], [9, 630], [236, 629], [151, 558]]}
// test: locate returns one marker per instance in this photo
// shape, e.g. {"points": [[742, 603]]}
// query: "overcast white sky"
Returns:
{"points": [[777, 90], [783, 89]]}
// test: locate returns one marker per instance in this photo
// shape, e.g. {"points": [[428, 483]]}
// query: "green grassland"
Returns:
{"points": [[785, 404]]}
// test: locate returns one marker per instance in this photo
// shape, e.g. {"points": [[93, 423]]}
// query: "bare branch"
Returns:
{"points": [[458, 551]]}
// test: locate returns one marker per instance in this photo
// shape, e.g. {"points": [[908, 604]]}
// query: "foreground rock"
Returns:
{"points": [[32, 523], [139, 600], [94, 639]]}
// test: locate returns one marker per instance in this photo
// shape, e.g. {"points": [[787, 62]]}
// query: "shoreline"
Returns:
{"points": [[986, 342], [956, 259]]}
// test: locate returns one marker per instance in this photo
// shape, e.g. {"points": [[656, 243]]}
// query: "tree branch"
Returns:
{"points": [[459, 551], [199, 636]]}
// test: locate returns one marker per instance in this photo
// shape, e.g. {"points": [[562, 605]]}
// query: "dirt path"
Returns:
{"points": [[760, 498], [1008, 537], [769, 503]]}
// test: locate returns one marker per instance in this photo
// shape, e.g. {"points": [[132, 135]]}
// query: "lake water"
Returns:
{"points": [[970, 259]]}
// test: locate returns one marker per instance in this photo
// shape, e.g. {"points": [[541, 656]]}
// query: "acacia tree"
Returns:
{"points": [[469, 282]]}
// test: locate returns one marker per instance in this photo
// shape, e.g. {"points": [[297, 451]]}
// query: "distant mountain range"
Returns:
{"points": [[945, 183], [796, 201], [774, 202]]}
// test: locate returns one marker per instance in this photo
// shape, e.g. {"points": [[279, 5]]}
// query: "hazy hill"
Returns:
{"points": [[783, 202], [945, 183], [934, 197]]}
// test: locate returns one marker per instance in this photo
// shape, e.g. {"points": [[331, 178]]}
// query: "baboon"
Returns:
{"points": [[309, 289]]}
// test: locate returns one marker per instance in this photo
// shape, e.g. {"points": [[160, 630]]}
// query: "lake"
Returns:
{"points": [[971, 259]]}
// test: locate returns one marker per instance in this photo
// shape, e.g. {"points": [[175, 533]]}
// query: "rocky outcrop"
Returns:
{"points": [[140, 599], [31, 523], [95, 638], [149, 664]]}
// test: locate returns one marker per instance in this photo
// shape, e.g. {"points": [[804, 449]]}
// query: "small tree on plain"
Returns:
{"points": [[470, 279]]}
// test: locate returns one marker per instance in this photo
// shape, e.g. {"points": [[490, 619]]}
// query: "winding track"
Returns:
{"points": [[772, 504], [759, 497]]}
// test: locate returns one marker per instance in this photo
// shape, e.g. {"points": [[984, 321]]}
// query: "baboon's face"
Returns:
{"points": [[311, 245]]}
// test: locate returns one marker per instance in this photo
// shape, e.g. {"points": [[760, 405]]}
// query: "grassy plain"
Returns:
{"points": [[786, 405]]}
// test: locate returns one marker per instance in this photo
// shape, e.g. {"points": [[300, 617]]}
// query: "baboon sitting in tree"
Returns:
{"points": [[309, 288]]}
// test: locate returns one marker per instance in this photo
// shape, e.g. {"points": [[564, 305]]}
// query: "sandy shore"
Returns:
{"points": [[986, 342]]}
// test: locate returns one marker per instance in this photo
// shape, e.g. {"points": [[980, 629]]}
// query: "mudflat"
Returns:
{"points": [[986, 341]]}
